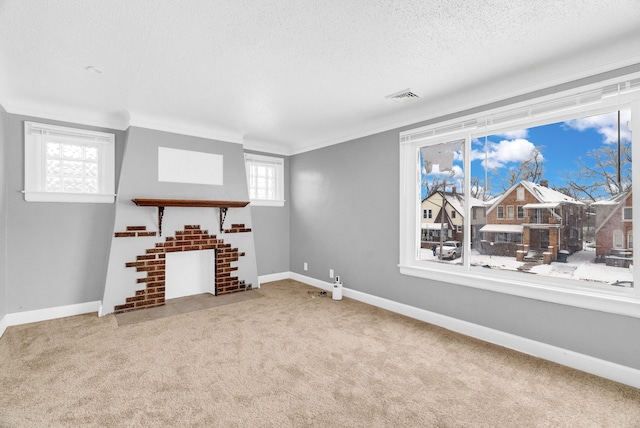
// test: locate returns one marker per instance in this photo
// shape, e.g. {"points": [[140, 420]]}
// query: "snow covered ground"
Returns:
{"points": [[579, 265]]}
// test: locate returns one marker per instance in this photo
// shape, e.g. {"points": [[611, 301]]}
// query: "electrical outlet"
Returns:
{"points": [[330, 273], [306, 266]]}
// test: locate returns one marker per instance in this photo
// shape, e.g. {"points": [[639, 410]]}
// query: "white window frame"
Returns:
{"points": [[35, 163], [271, 161], [596, 98], [625, 216]]}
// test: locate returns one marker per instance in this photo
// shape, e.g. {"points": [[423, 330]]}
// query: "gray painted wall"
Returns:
{"points": [[3, 216], [271, 230], [345, 216], [57, 252]]}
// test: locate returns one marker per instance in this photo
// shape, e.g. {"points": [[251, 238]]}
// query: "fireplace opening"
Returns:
{"points": [[189, 273]]}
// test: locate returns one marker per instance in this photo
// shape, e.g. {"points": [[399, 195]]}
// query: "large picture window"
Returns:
{"points": [[554, 179]]}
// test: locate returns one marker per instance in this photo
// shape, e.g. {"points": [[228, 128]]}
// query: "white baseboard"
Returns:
{"points": [[4, 323], [585, 363], [262, 279], [18, 318]]}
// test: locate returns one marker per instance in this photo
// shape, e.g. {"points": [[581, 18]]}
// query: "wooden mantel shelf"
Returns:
{"points": [[198, 203], [193, 203]]}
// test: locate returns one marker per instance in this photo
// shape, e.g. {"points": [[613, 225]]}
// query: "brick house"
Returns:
{"points": [[533, 219], [614, 229]]}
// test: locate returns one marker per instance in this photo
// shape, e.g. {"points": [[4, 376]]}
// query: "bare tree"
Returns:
{"points": [[434, 184], [477, 191], [530, 169], [598, 173]]}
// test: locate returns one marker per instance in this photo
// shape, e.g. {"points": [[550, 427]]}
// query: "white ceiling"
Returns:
{"points": [[288, 76]]}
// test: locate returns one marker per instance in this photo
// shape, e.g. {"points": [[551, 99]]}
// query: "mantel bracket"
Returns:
{"points": [[160, 215], [223, 216]]}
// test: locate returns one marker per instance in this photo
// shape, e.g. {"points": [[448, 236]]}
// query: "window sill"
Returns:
{"points": [[619, 301], [30, 196], [267, 203]]}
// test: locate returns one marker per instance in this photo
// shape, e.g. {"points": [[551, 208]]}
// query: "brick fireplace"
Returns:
{"points": [[191, 238], [186, 196]]}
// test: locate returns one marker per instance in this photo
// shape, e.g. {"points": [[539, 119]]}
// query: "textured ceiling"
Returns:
{"points": [[291, 75]]}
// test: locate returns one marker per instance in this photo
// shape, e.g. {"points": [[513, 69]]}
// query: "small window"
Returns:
{"points": [[453, 214], [68, 165], [617, 239], [520, 212], [510, 211], [430, 214], [520, 194], [265, 179], [627, 213], [500, 211]]}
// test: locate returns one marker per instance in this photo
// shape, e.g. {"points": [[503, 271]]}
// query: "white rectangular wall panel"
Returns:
{"points": [[186, 166]]}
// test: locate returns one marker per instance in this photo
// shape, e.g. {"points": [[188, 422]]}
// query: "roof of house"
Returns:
{"points": [[546, 197], [456, 200], [615, 200]]}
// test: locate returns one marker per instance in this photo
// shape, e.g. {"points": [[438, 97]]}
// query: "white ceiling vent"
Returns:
{"points": [[403, 96]]}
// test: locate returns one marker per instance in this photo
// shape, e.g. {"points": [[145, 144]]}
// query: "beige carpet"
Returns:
{"points": [[289, 359]]}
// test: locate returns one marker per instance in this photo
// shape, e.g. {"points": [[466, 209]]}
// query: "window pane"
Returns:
{"points": [[571, 184], [91, 153], [262, 181], [53, 150], [72, 151], [52, 184], [77, 172], [442, 181], [71, 185], [53, 167]]}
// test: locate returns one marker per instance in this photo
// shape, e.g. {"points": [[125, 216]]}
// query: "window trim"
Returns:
{"points": [[279, 200], [34, 164], [582, 294]]}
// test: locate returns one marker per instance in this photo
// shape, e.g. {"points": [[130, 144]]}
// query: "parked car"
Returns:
{"points": [[451, 250]]}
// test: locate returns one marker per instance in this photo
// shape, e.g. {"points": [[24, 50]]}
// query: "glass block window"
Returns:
{"points": [[71, 168], [68, 165]]}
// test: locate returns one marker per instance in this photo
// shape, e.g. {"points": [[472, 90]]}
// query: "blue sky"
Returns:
{"points": [[561, 144]]}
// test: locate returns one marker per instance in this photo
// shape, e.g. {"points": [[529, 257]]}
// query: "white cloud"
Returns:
{"points": [[605, 124], [500, 154], [514, 135]]}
